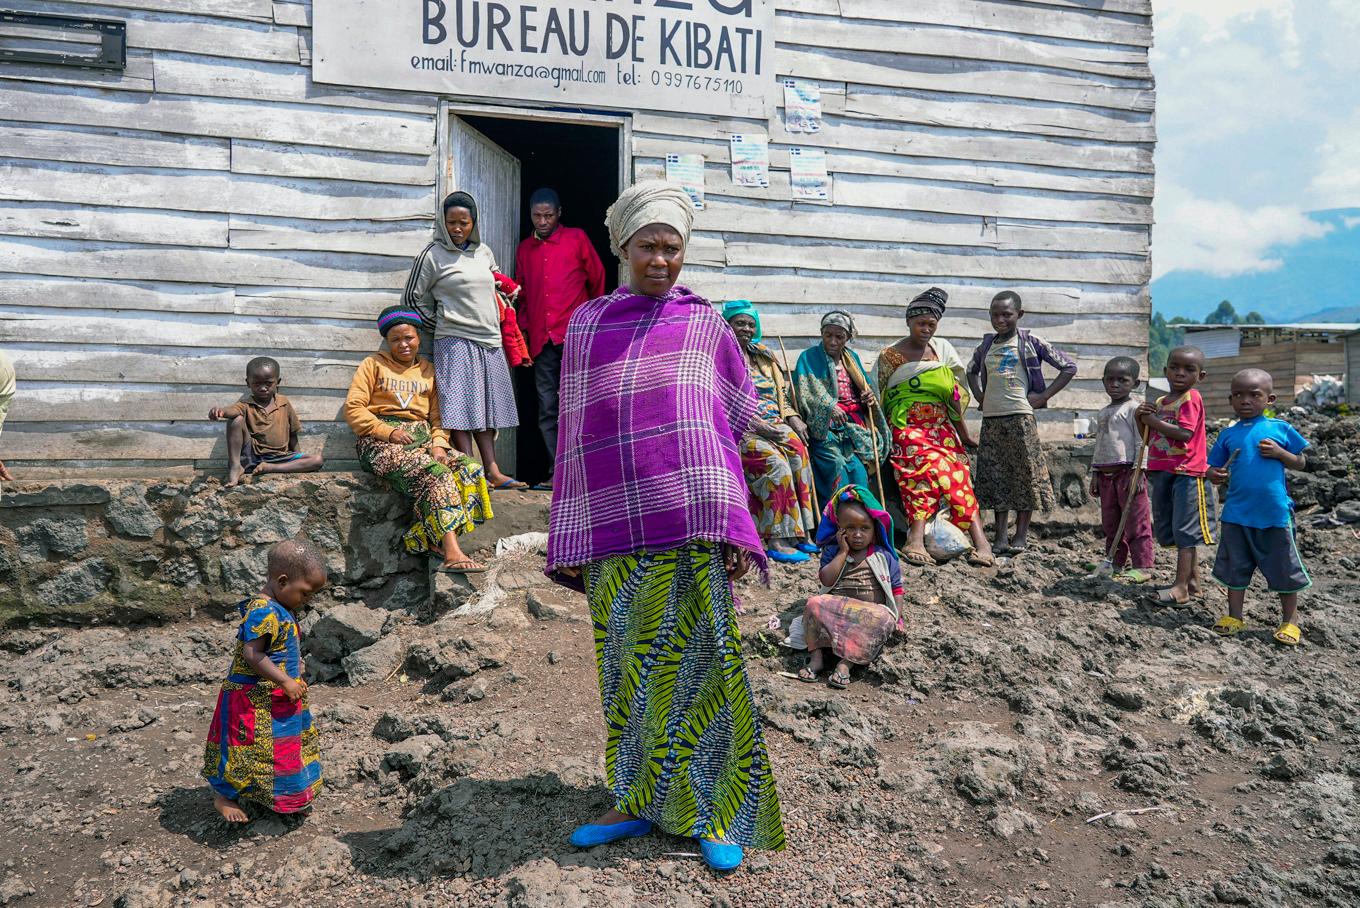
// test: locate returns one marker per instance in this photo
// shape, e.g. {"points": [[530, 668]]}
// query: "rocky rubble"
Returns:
{"points": [[1036, 738]]}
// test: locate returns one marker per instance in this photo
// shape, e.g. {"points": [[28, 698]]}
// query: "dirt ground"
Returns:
{"points": [[1034, 739]]}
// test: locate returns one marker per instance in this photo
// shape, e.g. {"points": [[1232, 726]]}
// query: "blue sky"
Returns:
{"points": [[1259, 133]]}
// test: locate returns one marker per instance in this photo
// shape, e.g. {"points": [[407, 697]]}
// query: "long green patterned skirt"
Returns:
{"points": [[684, 748]]}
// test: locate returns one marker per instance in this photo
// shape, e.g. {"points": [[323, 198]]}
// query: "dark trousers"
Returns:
{"points": [[547, 378], [1136, 546]]}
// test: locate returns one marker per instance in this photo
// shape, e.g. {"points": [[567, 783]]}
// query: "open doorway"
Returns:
{"points": [[507, 156]]}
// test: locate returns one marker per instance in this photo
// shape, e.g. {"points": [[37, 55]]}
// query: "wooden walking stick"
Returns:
{"points": [[793, 385]]}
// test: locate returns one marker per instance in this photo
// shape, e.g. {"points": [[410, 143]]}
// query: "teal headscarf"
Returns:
{"points": [[733, 308]]}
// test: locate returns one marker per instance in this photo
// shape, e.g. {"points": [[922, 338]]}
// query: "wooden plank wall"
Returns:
{"points": [[1292, 365], [159, 227]]}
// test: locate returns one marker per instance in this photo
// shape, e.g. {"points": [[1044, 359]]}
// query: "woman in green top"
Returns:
{"points": [[922, 381]]}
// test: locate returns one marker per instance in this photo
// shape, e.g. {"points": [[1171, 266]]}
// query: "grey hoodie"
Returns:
{"points": [[454, 289]]}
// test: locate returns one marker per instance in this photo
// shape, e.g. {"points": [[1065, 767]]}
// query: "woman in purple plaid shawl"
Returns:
{"points": [[649, 516]]}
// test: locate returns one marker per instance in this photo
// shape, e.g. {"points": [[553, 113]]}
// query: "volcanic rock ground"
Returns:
{"points": [[967, 767]]}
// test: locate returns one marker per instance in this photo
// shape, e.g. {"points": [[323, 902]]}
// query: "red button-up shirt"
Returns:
{"points": [[558, 275]]}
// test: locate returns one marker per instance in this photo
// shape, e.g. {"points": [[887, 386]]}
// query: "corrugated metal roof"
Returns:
{"points": [[1329, 327]]}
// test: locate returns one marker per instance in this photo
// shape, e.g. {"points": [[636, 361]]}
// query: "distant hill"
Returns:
{"points": [[1338, 315], [1319, 281]]}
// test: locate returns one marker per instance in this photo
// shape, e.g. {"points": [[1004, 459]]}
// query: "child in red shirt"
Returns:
{"points": [[1183, 511]]}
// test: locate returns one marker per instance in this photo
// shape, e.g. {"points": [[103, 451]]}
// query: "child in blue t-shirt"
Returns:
{"points": [[1256, 527]]}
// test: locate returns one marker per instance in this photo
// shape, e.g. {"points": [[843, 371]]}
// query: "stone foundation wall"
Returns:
{"points": [[132, 550], [125, 551]]}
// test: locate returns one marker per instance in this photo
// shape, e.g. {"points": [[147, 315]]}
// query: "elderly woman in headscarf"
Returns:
{"points": [[453, 286], [925, 393], [847, 432], [649, 516], [394, 412], [774, 451]]}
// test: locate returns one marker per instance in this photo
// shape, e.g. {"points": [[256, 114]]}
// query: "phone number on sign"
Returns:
{"points": [[697, 83]]}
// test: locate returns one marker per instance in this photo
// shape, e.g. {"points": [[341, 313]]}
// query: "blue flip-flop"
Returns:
{"points": [[592, 834], [807, 547], [788, 557], [510, 485]]}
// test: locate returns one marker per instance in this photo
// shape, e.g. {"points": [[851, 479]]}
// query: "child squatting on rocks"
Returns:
{"points": [[861, 599], [262, 428], [1257, 529], [1119, 445], [1182, 502], [262, 744], [1006, 377]]}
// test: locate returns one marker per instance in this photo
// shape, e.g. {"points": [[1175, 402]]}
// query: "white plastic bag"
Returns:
{"points": [[944, 541], [795, 639]]}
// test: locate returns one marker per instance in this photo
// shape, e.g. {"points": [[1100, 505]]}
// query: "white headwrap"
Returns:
{"points": [[648, 202]]}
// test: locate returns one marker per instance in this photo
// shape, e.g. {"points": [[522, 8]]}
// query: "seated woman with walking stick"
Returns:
{"points": [[774, 454]]}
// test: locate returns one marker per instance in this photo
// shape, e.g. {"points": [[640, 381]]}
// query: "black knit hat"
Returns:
{"points": [[932, 302]]}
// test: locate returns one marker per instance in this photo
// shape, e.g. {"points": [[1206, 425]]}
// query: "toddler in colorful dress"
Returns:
{"points": [[263, 745]]}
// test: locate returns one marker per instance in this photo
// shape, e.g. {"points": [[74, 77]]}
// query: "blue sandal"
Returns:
{"points": [[788, 557], [592, 834], [721, 856], [807, 547]]}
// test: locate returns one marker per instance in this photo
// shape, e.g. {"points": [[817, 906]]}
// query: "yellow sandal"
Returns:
{"points": [[1288, 634], [1228, 626]]}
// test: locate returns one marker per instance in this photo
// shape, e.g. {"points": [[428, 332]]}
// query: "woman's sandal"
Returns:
{"points": [[461, 566], [1228, 626], [982, 561], [807, 675], [838, 680], [510, 484], [1288, 634], [920, 559]]}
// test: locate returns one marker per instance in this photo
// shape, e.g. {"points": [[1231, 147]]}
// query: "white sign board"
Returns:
{"points": [[688, 56]]}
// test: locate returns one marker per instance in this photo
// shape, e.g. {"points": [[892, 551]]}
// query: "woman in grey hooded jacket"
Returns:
{"points": [[452, 286]]}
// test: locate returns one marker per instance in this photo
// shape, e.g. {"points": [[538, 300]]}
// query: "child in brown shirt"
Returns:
{"points": [[262, 428]]}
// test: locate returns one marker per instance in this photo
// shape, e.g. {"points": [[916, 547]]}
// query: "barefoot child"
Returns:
{"points": [[262, 428], [262, 745], [1007, 379], [1257, 531], [861, 577], [1182, 503], [1118, 442]]}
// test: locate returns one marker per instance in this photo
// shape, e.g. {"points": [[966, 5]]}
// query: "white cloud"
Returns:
{"points": [[1351, 223], [1217, 21], [1223, 238], [1337, 182]]}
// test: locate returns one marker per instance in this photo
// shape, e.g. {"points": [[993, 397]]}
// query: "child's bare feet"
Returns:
{"points": [[235, 473], [229, 809]]}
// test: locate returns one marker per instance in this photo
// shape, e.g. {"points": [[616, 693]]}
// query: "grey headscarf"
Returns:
{"points": [[840, 319]]}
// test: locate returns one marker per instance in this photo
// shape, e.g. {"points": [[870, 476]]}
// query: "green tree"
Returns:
{"points": [[1225, 314], [1254, 318], [1163, 337]]}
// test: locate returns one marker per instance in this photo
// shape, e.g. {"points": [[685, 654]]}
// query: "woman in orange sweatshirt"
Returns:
{"points": [[394, 410]]}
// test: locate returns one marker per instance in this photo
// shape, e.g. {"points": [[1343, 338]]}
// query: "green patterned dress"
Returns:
{"points": [[684, 747]]}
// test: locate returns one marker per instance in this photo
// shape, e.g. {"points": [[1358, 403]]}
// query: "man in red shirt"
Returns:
{"points": [[559, 270]]}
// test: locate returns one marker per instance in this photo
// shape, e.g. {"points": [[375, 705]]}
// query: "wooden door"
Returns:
{"points": [[491, 175]]}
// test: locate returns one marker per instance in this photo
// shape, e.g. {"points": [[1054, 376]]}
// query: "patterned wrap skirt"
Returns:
{"points": [[262, 747], [855, 630], [684, 746], [932, 468], [474, 387], [445, 499], [779, 477], [1012, 472]]}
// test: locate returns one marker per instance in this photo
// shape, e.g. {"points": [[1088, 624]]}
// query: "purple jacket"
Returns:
{"points": [[1034, 350]]}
